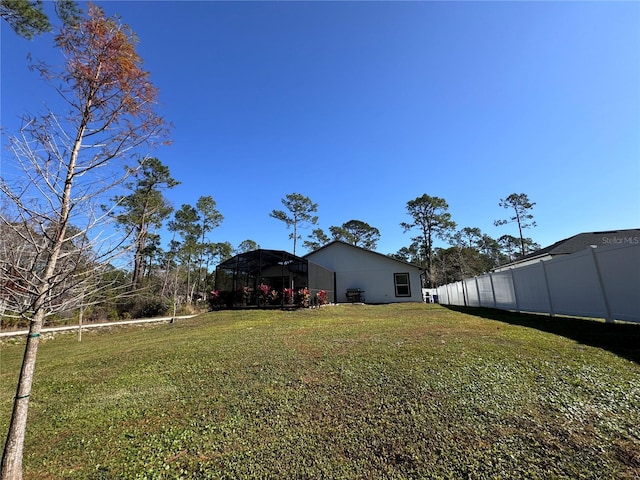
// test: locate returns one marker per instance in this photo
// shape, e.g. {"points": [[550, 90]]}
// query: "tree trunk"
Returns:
{"points": [[137, 269], [12, 456], [80, 318], [295, 235], [166, 279], [520, 230], [188, 291], [138, 260], [11, 468]]}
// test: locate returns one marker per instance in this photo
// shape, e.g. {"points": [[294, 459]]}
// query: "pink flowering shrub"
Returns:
{"points": [[288, 295], [322, 297], [303, 297], [263, 290], [273, 297]]}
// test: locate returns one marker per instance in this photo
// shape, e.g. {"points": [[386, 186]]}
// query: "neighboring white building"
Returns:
{"points": [[382, 279]]}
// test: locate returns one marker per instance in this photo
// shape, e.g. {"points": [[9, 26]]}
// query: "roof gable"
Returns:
{"points": [[333, 243]]}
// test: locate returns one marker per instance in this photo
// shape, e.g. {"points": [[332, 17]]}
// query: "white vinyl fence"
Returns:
{"points": [[601, 282]]}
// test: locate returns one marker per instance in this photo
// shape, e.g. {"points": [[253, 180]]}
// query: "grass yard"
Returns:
{"points": [[346, 392]]}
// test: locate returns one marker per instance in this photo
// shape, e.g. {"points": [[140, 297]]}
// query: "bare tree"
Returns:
{"points": [[65, 166]]}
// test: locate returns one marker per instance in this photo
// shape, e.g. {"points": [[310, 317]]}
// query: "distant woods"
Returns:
{"points": [[470, 252], [173, 252]]}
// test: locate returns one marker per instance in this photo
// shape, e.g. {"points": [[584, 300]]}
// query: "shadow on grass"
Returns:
{"points": [[622, 339]]}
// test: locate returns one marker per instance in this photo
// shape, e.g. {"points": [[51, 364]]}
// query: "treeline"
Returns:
{"points": [[176, 275], [470, 252], [182, 276]]}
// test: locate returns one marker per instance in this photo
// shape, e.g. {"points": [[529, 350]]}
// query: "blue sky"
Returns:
{"points": [[363, 106]]}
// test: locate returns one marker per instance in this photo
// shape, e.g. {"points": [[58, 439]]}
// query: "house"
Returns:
{"points": [[378, 278], [344, 273], [577, 243]]}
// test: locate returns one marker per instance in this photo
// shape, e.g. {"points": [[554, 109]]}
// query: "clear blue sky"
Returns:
{"points": [[363, 106]]}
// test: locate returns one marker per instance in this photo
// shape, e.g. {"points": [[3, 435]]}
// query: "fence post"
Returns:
{"points": [[493, 290], [515, 293], [546, 285], [464, 293], [608, 317], [478, 291]]}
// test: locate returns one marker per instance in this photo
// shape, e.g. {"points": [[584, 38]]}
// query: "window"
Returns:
{"points": [[401, 282]]}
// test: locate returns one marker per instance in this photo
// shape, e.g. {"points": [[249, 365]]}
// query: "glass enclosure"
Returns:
{"points": [[264, 278]]}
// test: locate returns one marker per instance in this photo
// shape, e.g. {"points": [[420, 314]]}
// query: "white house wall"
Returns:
{"points": [[368, 271]]}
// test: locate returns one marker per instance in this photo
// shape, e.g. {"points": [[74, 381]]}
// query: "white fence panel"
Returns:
{"points": [[456, 296], [531, 288], [471, 289], [574, 286], [503, 290], [485, 287], [443, 296], [598, 283], [619, 270]]}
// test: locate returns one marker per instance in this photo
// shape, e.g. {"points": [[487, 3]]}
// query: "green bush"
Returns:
{"points": [[143, 307], [10, 322]]}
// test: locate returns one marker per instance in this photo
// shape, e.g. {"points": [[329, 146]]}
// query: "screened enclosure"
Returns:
{"points": [[263, 278]]}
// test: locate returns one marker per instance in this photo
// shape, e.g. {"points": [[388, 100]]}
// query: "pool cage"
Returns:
{"points": [[271, 278]]}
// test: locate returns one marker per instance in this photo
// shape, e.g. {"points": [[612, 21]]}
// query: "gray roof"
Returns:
{"points": [[584, 240]]}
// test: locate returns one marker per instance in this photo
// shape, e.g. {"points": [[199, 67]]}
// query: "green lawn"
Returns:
{"points": [[366, 392]]}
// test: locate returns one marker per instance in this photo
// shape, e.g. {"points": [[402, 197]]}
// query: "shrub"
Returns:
{"points": [[302, 297], [322, 297], [142, 307]]}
